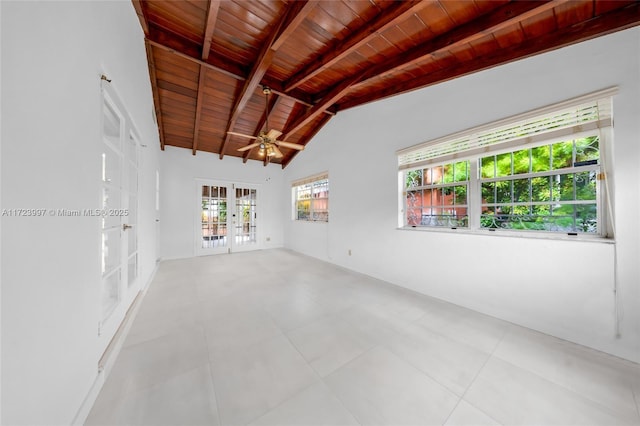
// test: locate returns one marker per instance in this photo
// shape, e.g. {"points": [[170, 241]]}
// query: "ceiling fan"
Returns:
{"points": [[267, 140]]}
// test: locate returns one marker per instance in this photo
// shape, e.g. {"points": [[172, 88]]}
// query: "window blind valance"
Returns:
{"points": [[571, 117], [304, 181]]}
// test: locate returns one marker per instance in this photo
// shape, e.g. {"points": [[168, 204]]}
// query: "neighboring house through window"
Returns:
{"points": [[311, 198]]}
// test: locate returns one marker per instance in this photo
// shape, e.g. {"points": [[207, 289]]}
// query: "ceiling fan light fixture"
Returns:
{"points": [[267, 140]]}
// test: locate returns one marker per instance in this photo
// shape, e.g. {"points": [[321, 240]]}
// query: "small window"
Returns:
{"points": [[311, 199], [437, 195]]}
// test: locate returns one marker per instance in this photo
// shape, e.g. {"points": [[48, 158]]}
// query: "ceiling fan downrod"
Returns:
{"points": [[267, 91]]}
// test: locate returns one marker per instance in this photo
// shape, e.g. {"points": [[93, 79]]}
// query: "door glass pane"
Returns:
{"points": [[213, 217], [133, 178], [132, 150], [110, 201], [111, 166], [132, 269], [245, 210], [111, 125], [110, 293], [110, 250], [132, 217]]}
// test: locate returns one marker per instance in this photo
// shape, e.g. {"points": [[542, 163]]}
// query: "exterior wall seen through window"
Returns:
{"points": [[311, 201]]}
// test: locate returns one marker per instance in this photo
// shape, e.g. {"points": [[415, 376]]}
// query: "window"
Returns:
{"points": [[541, 171], [437, 196], [311, 198]]}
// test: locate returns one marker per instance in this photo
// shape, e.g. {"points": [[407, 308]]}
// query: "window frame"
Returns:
{"points": [[308, 184], [605, 226], [439, 187]]}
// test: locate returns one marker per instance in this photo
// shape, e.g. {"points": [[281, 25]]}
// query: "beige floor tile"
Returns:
{"points": [[275, 337], [466, 414], [329, 343], [253, 380], [379, 388], [449, 362], [314, 406], [595, 375], [514, 396], [466, 326], [185, 399]]}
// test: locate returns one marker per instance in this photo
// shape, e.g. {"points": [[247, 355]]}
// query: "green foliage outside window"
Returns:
{"points": [[547, 201], [548, 188]]}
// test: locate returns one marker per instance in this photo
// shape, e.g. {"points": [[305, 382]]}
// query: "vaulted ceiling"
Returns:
{"points": [[209, 60]]}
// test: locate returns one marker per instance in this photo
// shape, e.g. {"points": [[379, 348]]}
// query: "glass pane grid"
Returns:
{"points": [[437, 196], [214, 217], [312, 201], [546, 198], [246, 216]]}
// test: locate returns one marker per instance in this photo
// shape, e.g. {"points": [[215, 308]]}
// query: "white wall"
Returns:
{"points": [[558, 287], [52, 56], [179, 203]]}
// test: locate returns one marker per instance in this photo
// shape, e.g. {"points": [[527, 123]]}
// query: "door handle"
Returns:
{"points": [[125, 227]]}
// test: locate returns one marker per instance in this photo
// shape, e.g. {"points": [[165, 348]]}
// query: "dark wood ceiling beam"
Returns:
{"points": [[231, 70], [142, 15], [228, 69], [386, 19], [295, 95], [495, 20], [154, 90], [325, 119], [300, 11], [263, 62], [500, 17], [212, 16], [610, 22], [332, 97], [199, 102]]}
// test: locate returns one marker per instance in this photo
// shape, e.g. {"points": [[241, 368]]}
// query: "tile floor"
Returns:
{"points": [[276, 338]]}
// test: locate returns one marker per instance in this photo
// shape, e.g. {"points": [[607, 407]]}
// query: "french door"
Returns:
{"points": [[118, 214], [227, 219]]}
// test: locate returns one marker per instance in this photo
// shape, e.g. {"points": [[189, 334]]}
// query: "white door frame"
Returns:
{"points": [[118, 215], [230, 246]]}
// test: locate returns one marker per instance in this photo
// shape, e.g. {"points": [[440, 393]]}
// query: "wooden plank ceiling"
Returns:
{"points": [[209, 59]]}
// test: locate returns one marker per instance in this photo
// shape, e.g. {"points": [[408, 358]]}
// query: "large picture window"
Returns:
{"points": [[548, 188], [311, 198], [542, 171]]}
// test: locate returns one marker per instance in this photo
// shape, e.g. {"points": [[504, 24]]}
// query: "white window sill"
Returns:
{"points": [[514, 234]]}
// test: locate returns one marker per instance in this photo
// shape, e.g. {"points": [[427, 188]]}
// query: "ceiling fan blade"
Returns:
{"points": [[242, 135], [290, 145], [273, 134], [279, 153], [248, 147]]}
